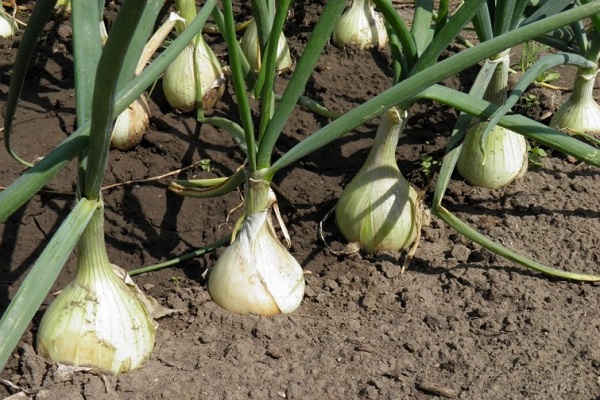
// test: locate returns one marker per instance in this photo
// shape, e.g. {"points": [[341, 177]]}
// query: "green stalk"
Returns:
{"points": [[42, 11], [408, 90], [421, 26], [87, 49], [303, 71], [107, 76], [24, 187], [237, 73], [257, 192], [527, 127], [208, 249], [267, 72], [593, 52], [497, 88], [480, 239], [187, 11], [595, 17], [396, 24], [263, 11]]}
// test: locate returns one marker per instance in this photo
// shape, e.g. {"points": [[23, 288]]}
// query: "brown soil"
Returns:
{"points": [[460, 321]]}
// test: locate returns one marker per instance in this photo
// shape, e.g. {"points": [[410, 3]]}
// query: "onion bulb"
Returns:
{"points": [[8, 26], [256, 274], [360, 25], [250, 45], [501, 159], [180, 78], [580, 113], [378, 208], [97, 320], [131, 125]]}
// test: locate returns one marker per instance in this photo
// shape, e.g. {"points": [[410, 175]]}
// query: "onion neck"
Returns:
{"points": [[497, 89], [187, 11], [364, 5], [257, 192], [92, 258], [383, 150], [583, 86]]}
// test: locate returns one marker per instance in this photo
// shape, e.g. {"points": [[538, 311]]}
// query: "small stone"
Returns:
{"points": [[343, 281], [460, 252], [390, 270], [331, 285]]}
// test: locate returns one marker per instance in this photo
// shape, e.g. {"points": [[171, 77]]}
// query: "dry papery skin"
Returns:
{"points": [[459, 318]]}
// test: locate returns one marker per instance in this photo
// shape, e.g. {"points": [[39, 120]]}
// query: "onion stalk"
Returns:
{"points": [[97, 320], [378, 208], [360, 25], [256, 274], [493, 158]]}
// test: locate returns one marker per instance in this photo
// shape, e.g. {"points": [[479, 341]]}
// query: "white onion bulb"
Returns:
{"points": [[250, 45], [130, 125], [256, 274], [97, 320], [504, 160], [378, 208], [580, 113], [179, 79], [8, 26], [360, 25]]}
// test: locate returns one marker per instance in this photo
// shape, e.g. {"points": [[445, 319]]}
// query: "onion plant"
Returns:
{"points": [[94, 335], [580, 114], [415, 72], [493, 156]]}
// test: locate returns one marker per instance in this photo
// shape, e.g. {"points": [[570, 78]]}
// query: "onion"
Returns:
{"points": [[180, 78], [501, 159], [256, 274], [580, 113], [378, 208], [360, 25], [8, 26], [130, 125], [97, 320], [250, 45]]}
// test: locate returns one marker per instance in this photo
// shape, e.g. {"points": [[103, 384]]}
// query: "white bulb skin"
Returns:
{"points": [[179, 79], [360, 26], [580, 113], [251, 48], [378, 208], [256, 274], [8, 26], [505, 158], [100, 324], [131, 125]]}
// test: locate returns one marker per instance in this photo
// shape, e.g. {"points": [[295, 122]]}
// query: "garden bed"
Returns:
{"points": [[459, 321]]}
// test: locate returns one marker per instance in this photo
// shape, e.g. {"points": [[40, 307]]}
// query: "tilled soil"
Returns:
{"points": [[459, 322]]}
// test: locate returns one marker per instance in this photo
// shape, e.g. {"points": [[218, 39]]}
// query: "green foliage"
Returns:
{"points": [[536, 154], [531, 51], [428, 165]]}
